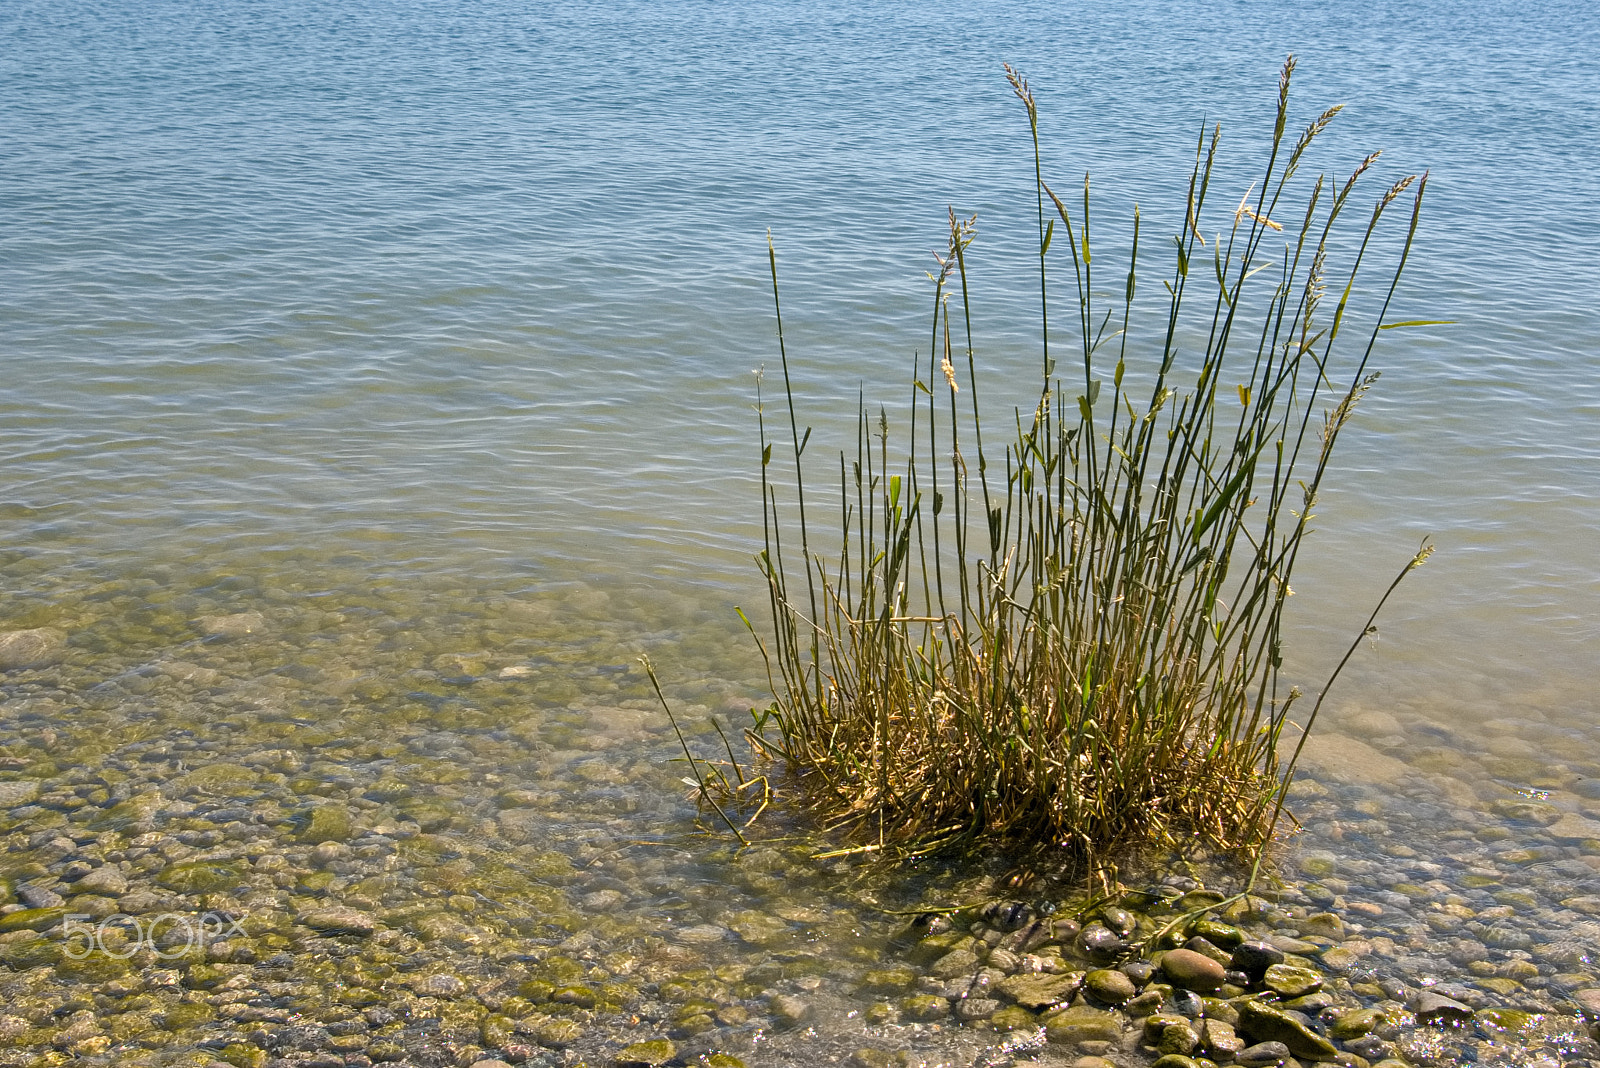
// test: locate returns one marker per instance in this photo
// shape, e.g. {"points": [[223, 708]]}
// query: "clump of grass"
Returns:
{"points": [[1076, 641]]}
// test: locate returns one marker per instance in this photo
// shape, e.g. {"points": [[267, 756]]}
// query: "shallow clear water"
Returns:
{"points": [[456, 308]]}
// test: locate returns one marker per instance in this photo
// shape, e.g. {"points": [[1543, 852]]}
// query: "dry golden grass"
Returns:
{"points": [[1076, 641]]}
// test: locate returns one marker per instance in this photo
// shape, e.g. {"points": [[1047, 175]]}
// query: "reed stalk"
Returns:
{"points": [[1081, 649]]}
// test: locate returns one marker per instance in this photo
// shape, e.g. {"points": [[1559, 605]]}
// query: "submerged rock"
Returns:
{"points": [[1264, 1023], [1041, 991], [1192, 971], [1436, 1008], [236, 625], [339, 920], [651, 1054], [39, 647]]}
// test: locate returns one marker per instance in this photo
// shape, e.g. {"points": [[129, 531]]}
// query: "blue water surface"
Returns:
{"points": [[482, 284]]}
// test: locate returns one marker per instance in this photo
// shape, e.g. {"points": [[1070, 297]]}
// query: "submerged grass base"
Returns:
{"points": [[1075, 642]]}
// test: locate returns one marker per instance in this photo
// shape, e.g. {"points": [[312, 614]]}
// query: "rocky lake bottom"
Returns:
{"points": [[306, 820]]}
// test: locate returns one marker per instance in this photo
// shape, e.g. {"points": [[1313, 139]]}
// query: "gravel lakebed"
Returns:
{"points": [[267, 823]]}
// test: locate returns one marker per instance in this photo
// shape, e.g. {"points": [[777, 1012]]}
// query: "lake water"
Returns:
{"points": [[426, 332]]}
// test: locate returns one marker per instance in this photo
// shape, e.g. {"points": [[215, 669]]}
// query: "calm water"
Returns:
{"points": [[449, 303]]}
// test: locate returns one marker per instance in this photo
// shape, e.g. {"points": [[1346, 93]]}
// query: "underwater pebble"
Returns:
{"points": [[235, 625], [37, 647], [1431, 1007], [17, 793], [1191, 970]]}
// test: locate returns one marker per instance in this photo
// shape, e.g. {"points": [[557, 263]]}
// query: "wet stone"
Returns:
{"points": [[1325, 924], [972, 1009], [35, 919], [442, 985], [1004, 960], [107, 880], [1026, 939], [1187, 1003], [1588, 1002], [339, 920], [236, 625], [1156, 1025], [1191, 970], [17, 793], [924, 1007], [1506, 1021], [649, 1054], [789, 1010], [1140, 971], [581, 996], [1083, 1024], [1254, 958], [328, 823], [1014, 1018], [1178, 1038], [1111, 987], [1224, 935], [978, 984], [39, 897], [1310, 1004], [38, 647], [957, 962], [938, 945], [1009, 915], [1041, 991], [1118, 920], [199, 877], [1206, 949], [1262, 1055], [1219, 1041], [888, 980], [1064, 930], [1340, 961], [1145, 1004], [556, 1033], [1100, 943], [1432, 1008], [1298, 947], [1289, 981], [1264, 1023]]}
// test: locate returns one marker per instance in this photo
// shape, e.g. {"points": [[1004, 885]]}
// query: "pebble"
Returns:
{"points": [[235, 625], [34, 648], [1041, 991], [1262, 1055], [957, 962], [1082, 1024], [106, 879], [339, 920], [1289, 981], [649, 1054], [973, 1009], [441, 985], [1431, 1007], [791, 1011], [1100, 943], [19, 792], [1264, 1023], [1191, 970], [39, 897], [1111, 987], [211, 805]]}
